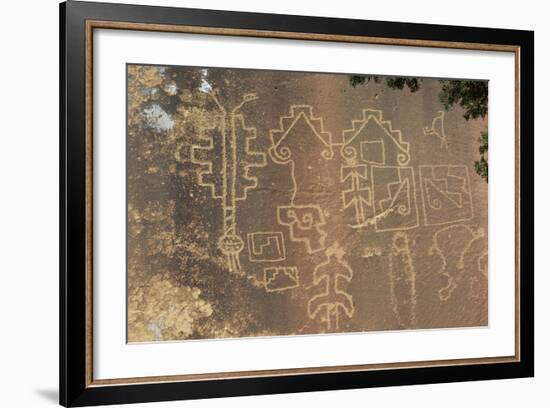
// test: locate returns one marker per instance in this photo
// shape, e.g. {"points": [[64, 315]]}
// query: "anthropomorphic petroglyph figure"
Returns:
{"points": [[332, 278], [451, 244], [402, 281], [224, 157]]}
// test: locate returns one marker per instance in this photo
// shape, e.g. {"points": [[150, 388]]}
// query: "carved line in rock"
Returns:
{"points": [[281, 278], [402, 281], [305, 224], [266, 246], [437, 129], [359, 194]]}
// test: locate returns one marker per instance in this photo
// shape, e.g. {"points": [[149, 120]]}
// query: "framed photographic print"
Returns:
{"points": [[255, 203]]}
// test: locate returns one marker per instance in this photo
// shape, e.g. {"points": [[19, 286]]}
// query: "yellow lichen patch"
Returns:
{"points": [[148, 76], [162, 310]]}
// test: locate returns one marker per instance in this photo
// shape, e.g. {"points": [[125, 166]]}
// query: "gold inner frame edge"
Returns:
{"points": [[101, 24]]}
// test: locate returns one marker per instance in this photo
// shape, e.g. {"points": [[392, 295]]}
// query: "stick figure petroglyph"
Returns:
{"points": [[332, 276], [224, 157], [438, 129]]}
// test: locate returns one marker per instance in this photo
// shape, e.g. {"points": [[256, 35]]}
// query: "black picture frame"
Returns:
{"points": [[77, 387]]}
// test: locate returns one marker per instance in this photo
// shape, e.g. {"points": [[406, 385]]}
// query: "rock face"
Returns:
{"points": [[284, 203]]}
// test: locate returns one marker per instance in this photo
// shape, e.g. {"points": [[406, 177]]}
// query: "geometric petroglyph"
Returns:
{"points": [[290, 139], [438, 129], [451, 244], [402, 281], [266, 246], [305, 223], [394, 197], [332, 276], [358, 195], [370, 252], [225, 158], [281, 278], [372, 140], [446, 194], [373, 152], [302, 142]]}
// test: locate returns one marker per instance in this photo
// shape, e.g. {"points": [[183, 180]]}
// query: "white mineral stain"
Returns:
{"points": [[205, 85], [157, 118], [155, 329], [171, 88]]}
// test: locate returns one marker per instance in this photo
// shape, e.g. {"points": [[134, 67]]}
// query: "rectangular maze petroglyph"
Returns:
{"points": [[287, 203], [446, 193], [266, 246]]}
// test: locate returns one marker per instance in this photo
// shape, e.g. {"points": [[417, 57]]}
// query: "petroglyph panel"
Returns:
{"points": [[267, 203]]}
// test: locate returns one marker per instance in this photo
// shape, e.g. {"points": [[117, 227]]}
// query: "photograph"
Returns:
{"points": [[282, 203]]}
